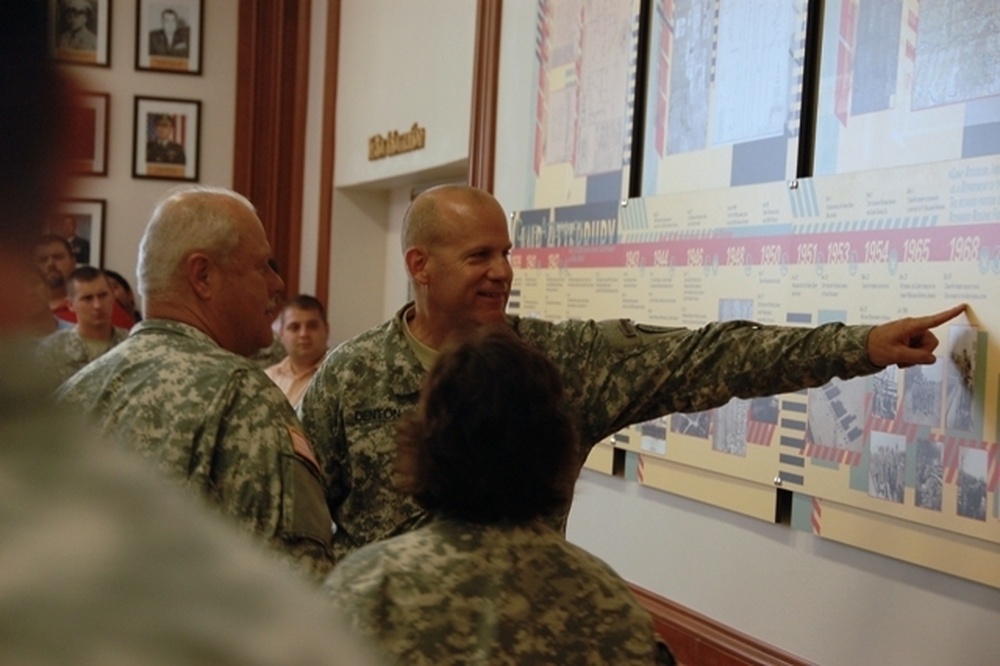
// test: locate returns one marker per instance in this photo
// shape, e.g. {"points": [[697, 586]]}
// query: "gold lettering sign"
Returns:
{"points": [[394, 143]]}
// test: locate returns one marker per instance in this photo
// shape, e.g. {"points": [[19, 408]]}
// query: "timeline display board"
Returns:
{"points": [[910, 452]]}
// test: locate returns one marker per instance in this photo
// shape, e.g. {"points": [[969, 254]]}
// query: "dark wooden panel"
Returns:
{"points": [[271, 97], [698, 640], [486, 72]]}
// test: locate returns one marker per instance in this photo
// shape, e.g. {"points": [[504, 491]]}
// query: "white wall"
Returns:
{"points": [[400, 63], [130, 200], [819, 600], [403, 63]]}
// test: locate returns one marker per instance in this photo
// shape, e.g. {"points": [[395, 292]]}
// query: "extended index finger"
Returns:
{"points": [[935, 320]]}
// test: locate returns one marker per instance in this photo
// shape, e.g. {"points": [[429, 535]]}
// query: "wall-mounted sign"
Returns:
{"points": [[394, 143]]}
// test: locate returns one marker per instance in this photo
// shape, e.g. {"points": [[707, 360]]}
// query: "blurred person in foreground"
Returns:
{"points": [[181, 390], [103, 562], [489, 452], [456, 247], [303, 334]]}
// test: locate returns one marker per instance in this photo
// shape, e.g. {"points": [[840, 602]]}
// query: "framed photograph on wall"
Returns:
{"points": [[166, 138], [81, 223], [168, 36], [80, 31], [88, 127]]}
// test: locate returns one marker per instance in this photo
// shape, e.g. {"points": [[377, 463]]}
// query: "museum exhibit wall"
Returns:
{"points": [[675, 249]]}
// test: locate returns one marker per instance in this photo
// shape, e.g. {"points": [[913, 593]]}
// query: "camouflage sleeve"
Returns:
{"points": [[619, 373], [61, 355], [322, 418], [262, 444]]}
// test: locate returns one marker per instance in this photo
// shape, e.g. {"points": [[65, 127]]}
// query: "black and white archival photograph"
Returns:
{"points": [[168, 36]]}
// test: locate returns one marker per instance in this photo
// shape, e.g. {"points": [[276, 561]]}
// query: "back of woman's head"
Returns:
{"points": [[491, 440]]}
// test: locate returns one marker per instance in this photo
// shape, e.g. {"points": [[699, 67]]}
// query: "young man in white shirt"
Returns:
{"points": [[304, 332]]}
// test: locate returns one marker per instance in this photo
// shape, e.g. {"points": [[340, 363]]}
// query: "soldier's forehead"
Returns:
{"points": [[52, 248]]}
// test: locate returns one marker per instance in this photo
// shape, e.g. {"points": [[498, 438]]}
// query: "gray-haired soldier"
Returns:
{"points": [[456, 246], [181, 390]]}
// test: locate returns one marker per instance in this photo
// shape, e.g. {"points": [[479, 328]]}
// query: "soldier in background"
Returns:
{"points": [[124, 296], [38, 320], [103, 561], [456, 246], [488, 580], [54, 257], [181, 390], [65, 352]]}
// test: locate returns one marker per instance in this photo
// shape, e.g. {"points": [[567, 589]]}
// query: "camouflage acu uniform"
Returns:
{"points": [[616, 373], [216, 420], [64, 352], [106, 563], [459, 593]]}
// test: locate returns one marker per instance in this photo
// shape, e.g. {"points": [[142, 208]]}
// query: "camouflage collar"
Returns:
{"points": [[403, 368], [174, 327]]}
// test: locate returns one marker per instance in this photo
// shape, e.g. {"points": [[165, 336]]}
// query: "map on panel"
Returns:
{"points": [[585, 59], [907, 82], [723, 93]]}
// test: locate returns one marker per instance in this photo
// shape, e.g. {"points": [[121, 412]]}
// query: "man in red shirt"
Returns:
{"points": [[54, 257]]}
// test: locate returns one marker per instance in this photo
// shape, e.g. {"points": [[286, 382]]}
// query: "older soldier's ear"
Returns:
{"points": [[416, 263], [198, 271]]}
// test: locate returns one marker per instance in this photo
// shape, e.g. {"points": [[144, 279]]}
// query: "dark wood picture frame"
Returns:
{"points": [[168, 36], [80, 32], [166, 138], [88, 121], [81, 222]]}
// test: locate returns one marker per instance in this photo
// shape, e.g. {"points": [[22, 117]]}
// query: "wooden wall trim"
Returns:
{"points": [[271, 103], [485, 77], [696, 639], [325, 222]]}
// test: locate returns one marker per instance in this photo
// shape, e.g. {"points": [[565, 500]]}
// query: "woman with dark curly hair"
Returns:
{"points": [[491, 452]]}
